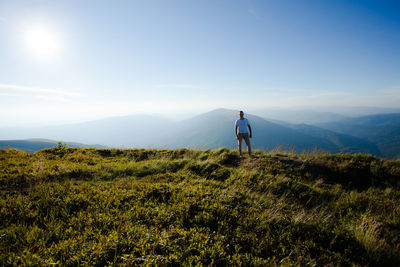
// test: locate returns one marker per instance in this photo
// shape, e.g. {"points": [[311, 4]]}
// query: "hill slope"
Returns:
{"points": [[297, 116], [72, 206], [134, 130], [215, 129], [337, 142], [209, 130], [33, 145], [381, 129]]}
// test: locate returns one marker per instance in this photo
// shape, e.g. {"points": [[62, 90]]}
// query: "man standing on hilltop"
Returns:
{"points": [[241, 132]]}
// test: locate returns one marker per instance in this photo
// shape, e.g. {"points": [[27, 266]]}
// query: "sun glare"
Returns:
{"points": [[42, 43]]}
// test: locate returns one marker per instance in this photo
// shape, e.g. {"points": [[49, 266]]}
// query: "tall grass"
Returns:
{"points": [[90, 207]]}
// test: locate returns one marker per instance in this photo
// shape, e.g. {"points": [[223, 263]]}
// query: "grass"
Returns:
{"points": [[88, 207]]}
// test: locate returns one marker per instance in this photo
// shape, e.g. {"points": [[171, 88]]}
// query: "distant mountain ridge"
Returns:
{"points": [[381, 129], [217, 129], [133, 130], [208, 130], [35, 144], [316, 115]]}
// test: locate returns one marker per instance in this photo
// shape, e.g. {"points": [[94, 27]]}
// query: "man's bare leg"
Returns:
{"points": [[240, 146], [247, 140]]}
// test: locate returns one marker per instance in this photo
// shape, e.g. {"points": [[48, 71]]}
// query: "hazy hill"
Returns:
{"points": [[209, 130], [337, 142], [381, 129], [360, 111], [216, 128], [35, 144], [298, 115], [98, 207], [318, 114], [134, 130]]}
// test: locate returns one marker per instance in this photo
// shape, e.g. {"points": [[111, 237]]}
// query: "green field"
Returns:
{"points": [[72, 206]]}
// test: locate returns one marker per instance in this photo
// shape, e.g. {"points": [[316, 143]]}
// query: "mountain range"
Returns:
{"points": [[382, 130], [216, 128], [375, 134]]}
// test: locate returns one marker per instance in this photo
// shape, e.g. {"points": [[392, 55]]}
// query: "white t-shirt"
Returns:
{"points": [[242, 125]]}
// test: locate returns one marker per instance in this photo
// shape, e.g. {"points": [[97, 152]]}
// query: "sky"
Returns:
{"points": [[67, 61]]}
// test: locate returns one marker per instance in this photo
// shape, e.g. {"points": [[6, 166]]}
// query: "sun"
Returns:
{"points": [[42, 42]]}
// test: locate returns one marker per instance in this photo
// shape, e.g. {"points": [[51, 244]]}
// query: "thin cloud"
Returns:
{"points": [[328, 94], [179, 85], [3, 19], [40, 90], [52, 98], [394, 90], [11, 95]]}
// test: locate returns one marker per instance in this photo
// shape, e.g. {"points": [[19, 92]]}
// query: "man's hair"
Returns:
{"points": [[241, 112]]}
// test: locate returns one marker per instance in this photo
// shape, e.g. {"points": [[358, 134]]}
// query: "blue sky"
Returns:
{"points": [[105, 58]]}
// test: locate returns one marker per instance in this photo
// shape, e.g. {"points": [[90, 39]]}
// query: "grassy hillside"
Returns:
{"points": [[169, 207]]}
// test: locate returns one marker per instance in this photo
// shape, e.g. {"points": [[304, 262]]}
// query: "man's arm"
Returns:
{"points": [[250, 136], [236, 132]]}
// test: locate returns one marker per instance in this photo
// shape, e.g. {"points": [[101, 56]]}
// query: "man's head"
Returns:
{"points": [[241, 114]]}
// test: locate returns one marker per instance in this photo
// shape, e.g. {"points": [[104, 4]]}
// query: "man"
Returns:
{"points": [[241, 126]]}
